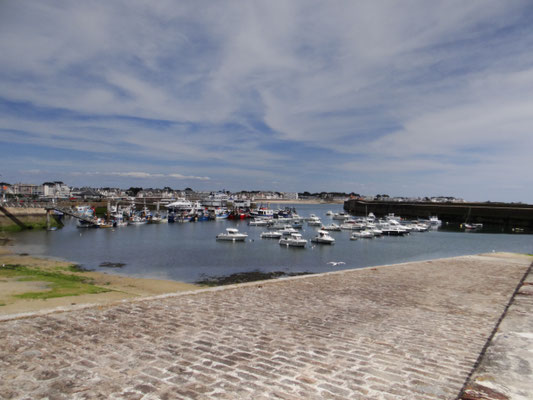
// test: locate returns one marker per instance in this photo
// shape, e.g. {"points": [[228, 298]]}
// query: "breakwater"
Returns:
{"points": [[503, 214]]}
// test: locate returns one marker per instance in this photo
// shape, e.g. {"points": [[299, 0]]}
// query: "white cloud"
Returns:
{"points": [[441, 86]]}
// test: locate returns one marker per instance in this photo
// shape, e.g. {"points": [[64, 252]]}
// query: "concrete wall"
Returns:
{"points": [[508, 215], [28, 216]]}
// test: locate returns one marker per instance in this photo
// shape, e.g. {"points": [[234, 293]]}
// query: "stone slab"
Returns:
{"points": [[408, 331]]}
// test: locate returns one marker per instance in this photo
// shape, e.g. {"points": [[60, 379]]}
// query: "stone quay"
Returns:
{"points": [[419, 330]]}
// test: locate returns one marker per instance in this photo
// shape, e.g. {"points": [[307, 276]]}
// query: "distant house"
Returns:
{"points": [[56, 190], [27, 189]]}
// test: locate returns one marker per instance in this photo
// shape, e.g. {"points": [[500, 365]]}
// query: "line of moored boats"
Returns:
{"points": [[286, 229]]}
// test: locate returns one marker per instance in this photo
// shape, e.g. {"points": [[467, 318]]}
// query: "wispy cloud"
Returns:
{"points": [[410, 98]]}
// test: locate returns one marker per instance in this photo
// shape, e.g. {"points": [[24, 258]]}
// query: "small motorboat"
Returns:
{"points": [[472, 227], [232, 235], [331, 227], [314, 221], [366, 234], [323, 237], [294, 240], [271, 235], [288, 230], [258, 222]]}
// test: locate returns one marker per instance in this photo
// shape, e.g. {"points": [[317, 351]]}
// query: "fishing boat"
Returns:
{"points": [[138, 220], [221, 213], [294, 240], [323, 237], [233, 235]]}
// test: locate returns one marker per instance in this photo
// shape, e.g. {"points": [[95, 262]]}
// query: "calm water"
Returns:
{"points": [[189, 251]]}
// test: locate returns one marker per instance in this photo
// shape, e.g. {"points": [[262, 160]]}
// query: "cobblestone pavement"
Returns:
{"points": [[506, 369], [409, 331]]}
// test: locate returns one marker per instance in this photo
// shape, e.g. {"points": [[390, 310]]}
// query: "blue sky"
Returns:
{"points": [[408, 98]]}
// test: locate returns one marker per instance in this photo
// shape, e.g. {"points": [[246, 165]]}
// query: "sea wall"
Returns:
{"points": [[504, 214], [31, 217]]}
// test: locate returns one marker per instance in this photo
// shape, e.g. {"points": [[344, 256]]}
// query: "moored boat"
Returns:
{"points": [[323, 237], [271, 235], [232, 234], [294, 240]]}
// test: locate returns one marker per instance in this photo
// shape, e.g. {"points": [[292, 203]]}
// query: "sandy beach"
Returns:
{"points": [[119, 287]]}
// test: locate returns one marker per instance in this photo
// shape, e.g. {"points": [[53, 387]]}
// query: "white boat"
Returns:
{"points": [[434, 220], [232, 234], [258, 222], [323, 237], [271, 235], [393, 230], [331, 227], [314, 221], [180, 205], [137, 220], [263, 212], [294, 240], [362, 235], [288, 230], [329, 213], [341, 216], [353, 226], [472, 227]]}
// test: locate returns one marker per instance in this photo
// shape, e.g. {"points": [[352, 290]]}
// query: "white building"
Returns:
{"points": [[56, 190]]}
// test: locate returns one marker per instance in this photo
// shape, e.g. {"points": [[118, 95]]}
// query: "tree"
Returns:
{"points": [[132, 191]]}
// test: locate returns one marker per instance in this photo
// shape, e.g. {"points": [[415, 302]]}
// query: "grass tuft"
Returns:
{"points": [[60, 284]]}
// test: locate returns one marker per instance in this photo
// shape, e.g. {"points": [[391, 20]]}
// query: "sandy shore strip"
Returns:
{"points": [[119, 287]]}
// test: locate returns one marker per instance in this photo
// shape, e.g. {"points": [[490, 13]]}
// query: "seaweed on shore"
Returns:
{"points": [[242, 277], [107, 264], [77, 268]]}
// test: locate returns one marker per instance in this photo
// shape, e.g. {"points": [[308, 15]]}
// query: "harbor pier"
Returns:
{"points": [[503, 214], [417, 331]]}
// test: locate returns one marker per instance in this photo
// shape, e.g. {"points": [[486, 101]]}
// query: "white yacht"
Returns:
{"points": [[294, 240], [323, 237], [180, 205], [232, 234]]}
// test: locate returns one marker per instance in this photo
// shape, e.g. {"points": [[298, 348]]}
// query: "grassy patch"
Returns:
{"points": [[11, 228], [60, 284]]}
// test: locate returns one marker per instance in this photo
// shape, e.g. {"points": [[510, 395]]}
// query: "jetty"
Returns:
{"points": [[442, 329], [508, 215]]}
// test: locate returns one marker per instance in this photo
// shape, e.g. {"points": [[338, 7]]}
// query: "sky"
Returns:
{"points": [[405, 98]]}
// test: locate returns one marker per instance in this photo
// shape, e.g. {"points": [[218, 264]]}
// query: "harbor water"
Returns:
{"points": [[188, 252]]}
